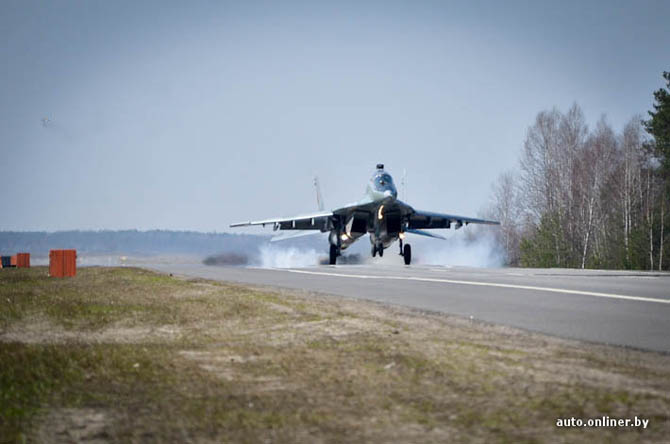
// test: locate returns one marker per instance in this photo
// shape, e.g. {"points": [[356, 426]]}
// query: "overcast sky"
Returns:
{"points": [[193, 115]]}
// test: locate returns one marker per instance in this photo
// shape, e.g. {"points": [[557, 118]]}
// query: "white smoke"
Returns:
{"points": [[471, 249], [272, 256], [481, 251]]}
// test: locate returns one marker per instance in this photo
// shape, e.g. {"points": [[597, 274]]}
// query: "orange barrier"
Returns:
{"points": [[13, 261], [23, 260], [63, 263]]}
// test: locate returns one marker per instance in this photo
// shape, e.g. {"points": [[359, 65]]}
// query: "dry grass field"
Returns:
{"points": [[128, 355]]}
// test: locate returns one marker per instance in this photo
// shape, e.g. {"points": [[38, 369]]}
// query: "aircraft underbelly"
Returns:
{"points": [[386, 226]]}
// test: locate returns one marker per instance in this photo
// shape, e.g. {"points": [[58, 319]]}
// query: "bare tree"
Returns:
{"points": [[630, 179], [649, 215], [540, 170], [594, 168], [538, 163], [573, 132], [653, 199], [505, 207], [661, 240]]}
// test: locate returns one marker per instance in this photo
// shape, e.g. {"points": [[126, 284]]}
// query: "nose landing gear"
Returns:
{"points": [[377, 249], [405, 251]]}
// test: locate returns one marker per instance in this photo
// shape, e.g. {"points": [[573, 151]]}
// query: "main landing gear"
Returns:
{"points": [[406, 252], [333, 254]]}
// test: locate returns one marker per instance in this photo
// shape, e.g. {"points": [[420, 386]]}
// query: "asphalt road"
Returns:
{"points": [[613, 307]]}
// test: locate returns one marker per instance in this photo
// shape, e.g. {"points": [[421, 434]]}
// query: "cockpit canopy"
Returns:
{"points": [[382, 181]]}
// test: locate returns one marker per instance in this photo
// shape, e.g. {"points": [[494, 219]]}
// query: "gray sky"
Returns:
{"points": [[195, 115]]}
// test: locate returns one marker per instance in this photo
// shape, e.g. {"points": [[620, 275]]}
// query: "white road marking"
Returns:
{"points": [[638, 277], [487, 284]]}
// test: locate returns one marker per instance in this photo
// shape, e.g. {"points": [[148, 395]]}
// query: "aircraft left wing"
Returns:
{"points": [[316, 221], [427, 219]]}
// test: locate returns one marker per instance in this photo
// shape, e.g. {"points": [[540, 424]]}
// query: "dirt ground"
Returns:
{"points": [[122, 354]]}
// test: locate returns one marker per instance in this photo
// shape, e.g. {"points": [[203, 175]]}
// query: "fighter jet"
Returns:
{"points": [[380, 214]]}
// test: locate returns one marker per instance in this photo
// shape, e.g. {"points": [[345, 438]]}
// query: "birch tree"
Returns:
{"points": [[540, 171], [629, 180], [595, 166], [506, 208]]}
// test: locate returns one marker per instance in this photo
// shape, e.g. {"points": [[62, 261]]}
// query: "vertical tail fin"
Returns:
{"points": [[319, 198]]}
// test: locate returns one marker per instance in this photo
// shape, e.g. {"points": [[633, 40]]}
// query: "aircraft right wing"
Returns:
{"points": [[316, 221], [428, 219]]}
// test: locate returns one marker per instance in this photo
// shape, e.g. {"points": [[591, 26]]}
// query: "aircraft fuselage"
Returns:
{"points": [[380, 215]]}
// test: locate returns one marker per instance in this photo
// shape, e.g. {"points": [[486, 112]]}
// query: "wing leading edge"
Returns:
{"points": [[316, 221], [429, 219]]}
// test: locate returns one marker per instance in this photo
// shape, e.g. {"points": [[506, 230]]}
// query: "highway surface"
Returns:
{"points": [[614, 307]]}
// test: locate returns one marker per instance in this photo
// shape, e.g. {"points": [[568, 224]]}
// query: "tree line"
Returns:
{"points": [[589, 197], [150, 242]]}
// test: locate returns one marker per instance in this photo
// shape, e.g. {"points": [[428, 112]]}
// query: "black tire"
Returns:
{"points": [[381, 251], [374, 251], [333, 254], [407, 254]]}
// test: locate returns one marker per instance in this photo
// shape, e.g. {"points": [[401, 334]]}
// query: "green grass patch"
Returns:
{"points": [[170, 360]]}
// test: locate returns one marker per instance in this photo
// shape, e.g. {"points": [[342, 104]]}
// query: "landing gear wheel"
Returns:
{"points": [[374, 251], [407, 254], [381, 251], [333, 254]]}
